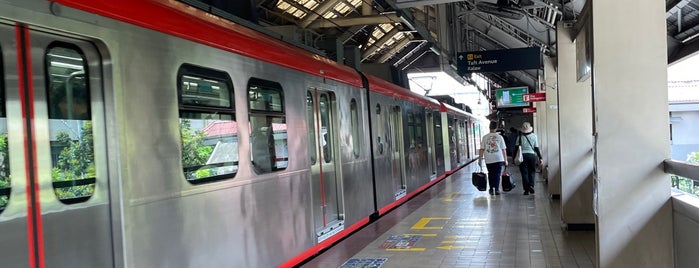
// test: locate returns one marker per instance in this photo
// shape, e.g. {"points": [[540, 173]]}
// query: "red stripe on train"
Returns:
{"points": [[34, 225], [325, 244]]}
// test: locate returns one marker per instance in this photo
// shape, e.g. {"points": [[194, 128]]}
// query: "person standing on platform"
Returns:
{"points": [[511, 140], [531, 155], [493, 151]]}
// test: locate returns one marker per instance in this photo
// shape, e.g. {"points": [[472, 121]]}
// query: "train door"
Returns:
{"points": [[451, 134], [326, 187], [463, 148], [438, 142], [429, 119], [397, 152], [58, 210]]}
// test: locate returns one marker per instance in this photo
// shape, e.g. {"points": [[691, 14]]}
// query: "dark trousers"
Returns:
{"points": [[528, 169], [494, 173]]}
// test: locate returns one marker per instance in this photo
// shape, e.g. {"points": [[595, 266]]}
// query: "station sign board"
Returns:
{"points": [[529, 110], [534, 97], [498, 60]]}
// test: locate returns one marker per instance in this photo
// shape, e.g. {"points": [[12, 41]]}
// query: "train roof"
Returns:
{"points": [[383, 87], [181, 20], [443, 107]]}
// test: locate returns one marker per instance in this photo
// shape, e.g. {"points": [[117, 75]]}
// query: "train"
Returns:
{"points": [[149, 133]]}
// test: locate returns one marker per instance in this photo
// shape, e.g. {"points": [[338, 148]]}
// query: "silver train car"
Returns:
{"points": [[148, 133]]}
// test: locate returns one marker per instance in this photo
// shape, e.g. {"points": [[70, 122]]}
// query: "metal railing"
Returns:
{"points": [[681, 168]]}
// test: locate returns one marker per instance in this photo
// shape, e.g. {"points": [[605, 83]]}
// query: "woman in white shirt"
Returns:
{"points": [[494, 152]]}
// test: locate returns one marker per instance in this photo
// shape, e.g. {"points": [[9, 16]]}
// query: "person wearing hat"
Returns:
{"points": [[493, 151], [532, 157]]}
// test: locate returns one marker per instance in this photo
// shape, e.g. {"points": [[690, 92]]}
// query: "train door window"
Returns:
{"points": [[379, 128], [411, 129], [310, 116], [419, 132], [5, 189], [208, 130], [70, 123], [325, 137], [267, 126], [354, 114]]}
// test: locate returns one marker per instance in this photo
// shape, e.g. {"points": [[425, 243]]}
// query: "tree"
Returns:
{"points": [[194, 152], [76, 161], [4, 169], [693, 158]]}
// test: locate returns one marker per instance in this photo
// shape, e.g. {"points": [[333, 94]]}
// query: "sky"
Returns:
{"points": [[687, 69], [440, 83]]}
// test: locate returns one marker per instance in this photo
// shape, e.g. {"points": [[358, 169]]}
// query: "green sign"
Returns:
{"points": [[511, 97]]}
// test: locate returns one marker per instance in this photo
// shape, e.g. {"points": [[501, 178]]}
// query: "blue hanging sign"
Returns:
{"points": [[498, 60]]}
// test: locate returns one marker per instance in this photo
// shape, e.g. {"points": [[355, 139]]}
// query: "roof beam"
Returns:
{"points": [[394, 49], [379, 43], [417, 3], [346, 22], [317, 12]]}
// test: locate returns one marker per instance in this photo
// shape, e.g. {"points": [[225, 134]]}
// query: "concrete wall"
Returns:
{"points": [[552, 154], [576, 140], [630, 108], [685, 224]]}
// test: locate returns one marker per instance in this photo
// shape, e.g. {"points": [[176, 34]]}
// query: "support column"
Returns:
{"points": [[540, 123], [552, 162], [629, 83], [575, 119]]}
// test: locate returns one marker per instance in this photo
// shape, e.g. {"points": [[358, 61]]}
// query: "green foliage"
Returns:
{"points": [[194, 152], [693, 158], [5, 162], [4, 169], [202, 173], [76, 161], [684, 184]]}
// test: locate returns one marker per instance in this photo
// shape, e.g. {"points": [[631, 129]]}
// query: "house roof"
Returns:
{"points": [[683, 91], [224, 128]]}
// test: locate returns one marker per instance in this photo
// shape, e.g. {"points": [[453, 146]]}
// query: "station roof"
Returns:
{"points": [[426, 35]]}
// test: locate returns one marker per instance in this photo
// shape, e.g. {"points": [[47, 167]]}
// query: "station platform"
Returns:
{"points": [[452, 224]]}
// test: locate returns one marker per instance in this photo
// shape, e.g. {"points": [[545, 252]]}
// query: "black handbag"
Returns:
{"points": [[507, 182], [479, 180]]}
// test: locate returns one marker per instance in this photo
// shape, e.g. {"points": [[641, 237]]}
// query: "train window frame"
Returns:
{"points": [[70, 188], [211, 116], [354, 120], [5, 178], [262, 138], [310, 117]]}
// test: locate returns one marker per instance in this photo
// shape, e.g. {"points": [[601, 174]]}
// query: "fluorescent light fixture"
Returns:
{"points": [[66, 65], [690, 38]]}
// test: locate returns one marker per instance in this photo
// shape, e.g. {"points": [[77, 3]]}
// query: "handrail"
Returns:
{"points": [[681, 168]]}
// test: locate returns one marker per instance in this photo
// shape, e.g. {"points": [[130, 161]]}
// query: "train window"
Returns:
{"points": [[267, 126], [5, 189], [208, 130], [70, 123], [379, 129], [355, 128], [411, 129], [325, 127], [310, 116], [419, 130]]}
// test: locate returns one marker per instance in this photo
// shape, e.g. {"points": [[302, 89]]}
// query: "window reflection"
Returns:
{"points": [[268, 136], [70, 126], [208, 130]]}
